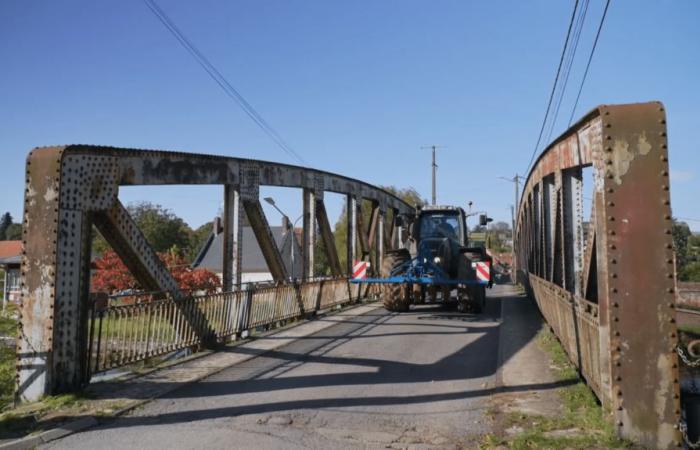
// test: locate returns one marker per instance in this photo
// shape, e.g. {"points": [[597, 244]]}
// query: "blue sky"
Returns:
{"points": [[355, 87]]}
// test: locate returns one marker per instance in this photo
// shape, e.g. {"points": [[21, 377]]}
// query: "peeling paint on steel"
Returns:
{"points": [[635, 371]]}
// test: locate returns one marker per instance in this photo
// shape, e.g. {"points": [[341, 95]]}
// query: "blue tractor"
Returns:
{"points": [[435, 262]]}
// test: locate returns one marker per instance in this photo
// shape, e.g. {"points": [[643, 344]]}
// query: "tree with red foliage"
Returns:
{"points": [[111, 275]]}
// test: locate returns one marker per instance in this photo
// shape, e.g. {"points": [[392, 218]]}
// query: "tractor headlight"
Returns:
{"points": [[437, 260]]}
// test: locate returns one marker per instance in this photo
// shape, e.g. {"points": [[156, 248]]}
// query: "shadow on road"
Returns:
{"points": [[261, 374]]}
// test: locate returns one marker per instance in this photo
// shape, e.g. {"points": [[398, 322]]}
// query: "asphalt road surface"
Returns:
{"points": [[381, 380]]}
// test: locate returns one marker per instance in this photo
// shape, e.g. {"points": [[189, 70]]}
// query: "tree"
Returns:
{"points": [[197, 239], [5, 222], [500, 226], [690, 272], [111, 275], [681, 234], [161, 227], [13, 232]]}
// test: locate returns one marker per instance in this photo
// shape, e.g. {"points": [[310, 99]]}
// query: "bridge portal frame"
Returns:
{"points": [[71, 188]]}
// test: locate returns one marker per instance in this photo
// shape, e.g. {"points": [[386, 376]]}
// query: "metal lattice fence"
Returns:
{"points": [[135, 328]]}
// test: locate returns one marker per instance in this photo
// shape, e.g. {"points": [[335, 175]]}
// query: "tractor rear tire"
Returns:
{"points": [[480, 299], [396, 296]]}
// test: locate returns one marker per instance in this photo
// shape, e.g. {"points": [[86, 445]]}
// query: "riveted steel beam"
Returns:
{"points": [[610, 296], [233, 237], [351, 208], [309, 232], [380, 237]]}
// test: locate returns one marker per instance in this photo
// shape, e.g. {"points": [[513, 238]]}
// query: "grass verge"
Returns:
{"points": [[581, 425], [8, 328]]}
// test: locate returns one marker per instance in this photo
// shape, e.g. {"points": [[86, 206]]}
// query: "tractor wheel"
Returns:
{"points": [[395, 295], [432, 293], [418, 294], [446, 294], [479, 303]]}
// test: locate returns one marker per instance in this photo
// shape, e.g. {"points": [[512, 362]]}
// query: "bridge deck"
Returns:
{"points": [[376, 380]]}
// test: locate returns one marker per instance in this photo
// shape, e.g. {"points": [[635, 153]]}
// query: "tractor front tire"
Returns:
{"points": [[396, 296]]}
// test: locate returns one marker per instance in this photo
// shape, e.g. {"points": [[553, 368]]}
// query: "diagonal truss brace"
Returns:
{"points": [[127, 240], [263, 234], [327, 237]]}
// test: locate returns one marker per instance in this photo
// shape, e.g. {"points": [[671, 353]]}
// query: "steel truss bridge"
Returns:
{"points": [[605, 285]]}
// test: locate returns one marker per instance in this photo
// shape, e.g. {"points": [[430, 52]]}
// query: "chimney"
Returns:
{"points": [[218, 227]]}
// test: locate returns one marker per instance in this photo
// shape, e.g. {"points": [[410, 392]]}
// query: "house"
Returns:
{"points": [[254, 267], [10, 261]]}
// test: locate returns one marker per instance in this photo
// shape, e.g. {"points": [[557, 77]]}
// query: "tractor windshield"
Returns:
{"points": [[440, 226]]}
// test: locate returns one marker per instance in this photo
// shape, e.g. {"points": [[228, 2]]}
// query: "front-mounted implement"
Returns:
{"points": [[435, 261]]}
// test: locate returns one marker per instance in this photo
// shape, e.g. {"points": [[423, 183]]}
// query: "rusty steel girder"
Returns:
{"points": [[607, 289], [71, 188]]}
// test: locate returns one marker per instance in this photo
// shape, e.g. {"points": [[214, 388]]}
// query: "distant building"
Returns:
{"points": [[254, 268], [10, 261]]}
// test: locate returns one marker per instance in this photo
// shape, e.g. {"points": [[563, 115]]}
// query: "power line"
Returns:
{"points": [[590, 58], [578, 27], [554, 86], [231, 91]]}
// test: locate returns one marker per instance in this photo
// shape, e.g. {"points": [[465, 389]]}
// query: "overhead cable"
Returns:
{"points": [[554, 86], [590, 58], [227, 87]]}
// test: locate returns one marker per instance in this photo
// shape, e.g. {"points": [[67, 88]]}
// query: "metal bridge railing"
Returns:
{"points": [[123, 331]]}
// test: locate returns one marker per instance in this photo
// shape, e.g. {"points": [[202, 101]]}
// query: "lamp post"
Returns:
{"points": [[290, 229]]}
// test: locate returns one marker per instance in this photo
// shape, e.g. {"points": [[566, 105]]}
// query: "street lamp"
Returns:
{"points": [[290, 229]]}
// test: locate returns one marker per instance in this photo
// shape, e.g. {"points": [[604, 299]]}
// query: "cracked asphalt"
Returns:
{"points": [[420, 379]]}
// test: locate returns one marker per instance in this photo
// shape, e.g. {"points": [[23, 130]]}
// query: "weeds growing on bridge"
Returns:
{"points": [[8, 359], [581, 425]]}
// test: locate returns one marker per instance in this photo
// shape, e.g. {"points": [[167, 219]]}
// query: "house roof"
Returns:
{"points": [[10, 252], [211, 255]]}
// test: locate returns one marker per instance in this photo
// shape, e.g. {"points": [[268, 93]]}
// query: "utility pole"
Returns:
{"points": [[514, 217], [434, 148]]}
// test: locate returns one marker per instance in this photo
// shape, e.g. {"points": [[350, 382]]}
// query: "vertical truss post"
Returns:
{"points": [[397, 231], [372, 236], [549, 195], [572, 184], [541, 232], [351, 208], [636, 274], [309, 234], [52, 353], [233, 235], [380, 236]]}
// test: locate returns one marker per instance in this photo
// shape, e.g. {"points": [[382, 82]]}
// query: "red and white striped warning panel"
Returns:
{"points": [[482, 270], [359, 270]]}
